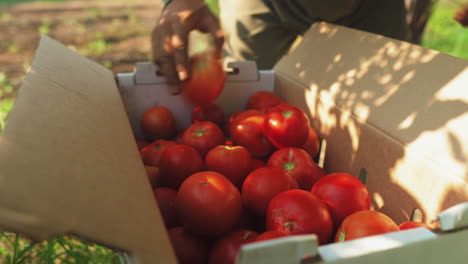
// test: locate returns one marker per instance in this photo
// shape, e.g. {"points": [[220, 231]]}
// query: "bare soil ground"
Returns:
{"points": [[113, 33]]}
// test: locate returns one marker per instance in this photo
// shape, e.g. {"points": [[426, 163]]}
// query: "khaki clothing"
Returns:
{"points": [[263, 30]]}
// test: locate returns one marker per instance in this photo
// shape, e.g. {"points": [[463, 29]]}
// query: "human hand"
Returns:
{"points": [[170, 38], [461, 16]]}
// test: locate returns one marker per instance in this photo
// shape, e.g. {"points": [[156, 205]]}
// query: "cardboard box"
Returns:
{"points": [[69, 163]]}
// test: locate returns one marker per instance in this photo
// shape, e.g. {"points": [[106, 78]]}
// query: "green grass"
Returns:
{"points": [[12, 2], [446, 35], [15, 249]]}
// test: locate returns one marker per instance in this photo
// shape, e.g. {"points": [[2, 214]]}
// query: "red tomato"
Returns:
{"points": [[151, 154], [262, 185], [365, 223], [207, 79], [248, 132], [300, 212], [203, 136], [209, 204], [298, 163], [189, 248], [312, 145], [158, 123], [166, 198], [257, 164], [177, 163], [211, 112], [286, 126], [226, 249], [234, 162], [269, 235], [154, 175], [237, 116], [412, 224], [247, 220], [263, 101], [141, 143], [344, 195]]}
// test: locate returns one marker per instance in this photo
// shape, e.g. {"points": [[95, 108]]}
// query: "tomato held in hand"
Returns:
{"points": [[226, 249], [298, 163], [177, 163], [286, 126], [207, 79], [158, 123], [210, 112], [344, 195], [234, 162], [262, 185], [263, 101], [300, 212], [365, 223], [209, 204], [189, 248], [203, 136]]}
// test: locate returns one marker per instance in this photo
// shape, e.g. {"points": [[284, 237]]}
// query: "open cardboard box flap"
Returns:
{"points": [[396, 109], [69, 164]]}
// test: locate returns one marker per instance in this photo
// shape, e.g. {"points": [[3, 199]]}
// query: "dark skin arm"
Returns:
{"points": [[170, 38]]}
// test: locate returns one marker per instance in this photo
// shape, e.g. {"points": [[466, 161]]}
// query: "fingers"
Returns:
{"points": [[210, 24], [163, 56], [179, 43]]}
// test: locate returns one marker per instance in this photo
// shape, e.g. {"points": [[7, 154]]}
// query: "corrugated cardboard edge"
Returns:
{"points": [[69, 162], [362, 90]]}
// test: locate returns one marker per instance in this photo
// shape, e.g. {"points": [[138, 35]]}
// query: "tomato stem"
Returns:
{"points": [[287, 114], [288, 166], [199, 133], [288, 225], [342, 236], [246, 235]]}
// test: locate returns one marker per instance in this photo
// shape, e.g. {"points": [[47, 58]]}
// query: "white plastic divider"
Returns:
{"points": [[143, 89]]}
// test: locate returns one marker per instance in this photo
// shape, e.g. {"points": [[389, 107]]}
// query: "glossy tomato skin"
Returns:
{"points": [[154, 175], [365, 223], [209, 204], [263, 101], [158, 122], [298, 163], [300, 212], [207, 79], [166, 199], [237, 116], [234, 162], [344, 195], [211, 112], [188, 248], [312, 145], [226, 249], [286, 126], [262, 185], [248, 132], [269, 235], [177, 163], [412, 224], [151, 154], [203, 136]]}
